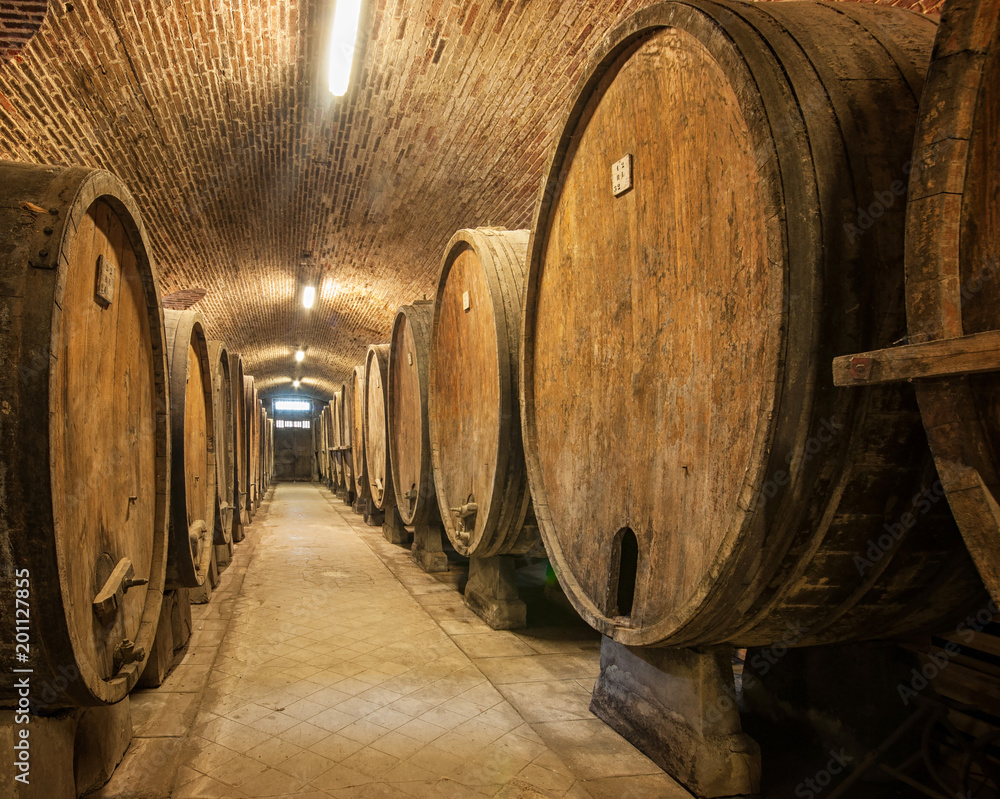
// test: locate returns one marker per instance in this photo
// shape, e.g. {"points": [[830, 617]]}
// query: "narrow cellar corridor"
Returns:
{"points": [[327, 664]]}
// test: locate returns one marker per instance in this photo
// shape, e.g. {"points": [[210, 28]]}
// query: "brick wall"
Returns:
{"points": [[19, 19], [214, 113]]}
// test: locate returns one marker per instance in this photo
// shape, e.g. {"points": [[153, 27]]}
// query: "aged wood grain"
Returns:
{"points": [[376, 430], [675, 377], [192, 421], [83, 426], [950, 357], [409, 431], [953, 264], [474, 424]]}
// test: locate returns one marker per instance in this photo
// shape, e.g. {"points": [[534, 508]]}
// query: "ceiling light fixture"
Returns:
{"points": [[309, 296], [299, 355], [346, 16], [295, 384]]}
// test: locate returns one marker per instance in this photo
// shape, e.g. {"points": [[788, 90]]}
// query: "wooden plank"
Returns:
{"points": [[964, 355]]}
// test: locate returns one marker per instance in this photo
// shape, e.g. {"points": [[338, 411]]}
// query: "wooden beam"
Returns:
{"points": [[965, 355]]}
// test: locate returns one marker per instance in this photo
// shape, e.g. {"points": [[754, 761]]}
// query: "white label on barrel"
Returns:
{"points": [[466, 302], [621, 175], [409, 358], [104, 292]]}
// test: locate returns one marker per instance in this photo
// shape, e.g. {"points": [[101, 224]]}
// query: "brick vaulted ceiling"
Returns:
{"points": [[214, 114]]}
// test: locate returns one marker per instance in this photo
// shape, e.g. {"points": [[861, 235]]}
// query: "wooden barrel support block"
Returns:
{"points": [[376, 428], [84, 436], [697, 261], [238, 405], [193, 468], [953, 267], [474, 420], [358, 395], [222, 393]]}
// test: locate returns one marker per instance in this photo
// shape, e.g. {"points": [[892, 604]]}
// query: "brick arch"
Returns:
{"points": [[19, 21]]}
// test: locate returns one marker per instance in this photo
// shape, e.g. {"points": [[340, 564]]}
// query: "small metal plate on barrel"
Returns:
{"points": [[104, 291], [621, 175]]}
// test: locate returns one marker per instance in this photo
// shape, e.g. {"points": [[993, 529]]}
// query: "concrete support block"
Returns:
{"points": [[203, 593], [68, 753], [392, 528], [173, 630], [427, 549], [671, 705], [491, 594]]}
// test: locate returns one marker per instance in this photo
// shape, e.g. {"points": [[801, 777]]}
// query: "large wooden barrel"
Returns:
{"points": [[346, 438], [336, 437], [376, 431], [474, 424], [409, 431], [697, 260], [225, 468], [322, 444], [240, 517], [358, 394], [269, 459], [261, 450], [192, 434], [84, 471], [953, 265], [250, 442]]}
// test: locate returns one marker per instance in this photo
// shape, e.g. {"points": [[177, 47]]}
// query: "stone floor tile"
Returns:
{"points": [[272, 782], [304, 734], [306, 765], [639, 787], [340, 776], [592, 750], [371, 762], [237, 770], [550, 700], [337, 747]]}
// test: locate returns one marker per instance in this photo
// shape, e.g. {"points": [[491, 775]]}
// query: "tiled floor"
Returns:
{"points": [[328, 665]]}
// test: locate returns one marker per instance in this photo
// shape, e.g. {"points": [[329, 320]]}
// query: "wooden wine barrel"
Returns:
{"points": [[409, 432], [84, 435], [953, 266], [261, 450], [334, 437], [358, 394], [376, 432], [270, 451], [240, 517], [346, 445], [225, 468], [475, 434], [192, 433], [250, 443], [697, 259], [322, 445]]}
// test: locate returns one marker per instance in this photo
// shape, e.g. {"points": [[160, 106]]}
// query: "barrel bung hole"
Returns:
{"points": [[624, 571]]}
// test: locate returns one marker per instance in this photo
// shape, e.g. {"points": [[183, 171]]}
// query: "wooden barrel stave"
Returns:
{"points": [[86, 474], [377, 459], [787, 560], [222, 392], [193, 468], [409, 432], [473, 410]]}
